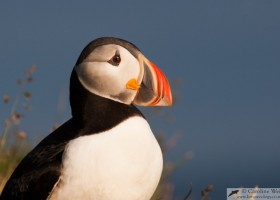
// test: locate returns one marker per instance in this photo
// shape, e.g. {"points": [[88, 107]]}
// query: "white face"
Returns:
{"points": [[100, 74]]}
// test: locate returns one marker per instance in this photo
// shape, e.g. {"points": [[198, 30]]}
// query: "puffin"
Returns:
{"points": [[106, 150]]}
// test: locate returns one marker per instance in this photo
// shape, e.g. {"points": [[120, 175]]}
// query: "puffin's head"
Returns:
{"points": [[116, 69]]}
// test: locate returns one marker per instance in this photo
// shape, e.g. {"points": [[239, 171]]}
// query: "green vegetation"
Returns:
{"points": [[14, 144]]}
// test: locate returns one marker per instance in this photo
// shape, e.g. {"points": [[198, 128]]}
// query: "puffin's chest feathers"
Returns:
{"points": [[124, 162]]}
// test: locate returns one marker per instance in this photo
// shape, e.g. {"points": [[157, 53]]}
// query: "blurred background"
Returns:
{"points": [[221, 57]]}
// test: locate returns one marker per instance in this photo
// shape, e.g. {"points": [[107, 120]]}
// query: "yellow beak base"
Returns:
{"points": [[132, 84]]}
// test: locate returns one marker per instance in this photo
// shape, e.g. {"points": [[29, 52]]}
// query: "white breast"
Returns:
{"points": [[122, 163]]}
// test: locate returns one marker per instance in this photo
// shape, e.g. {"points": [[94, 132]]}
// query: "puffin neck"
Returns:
{"points": [[95, 113]]}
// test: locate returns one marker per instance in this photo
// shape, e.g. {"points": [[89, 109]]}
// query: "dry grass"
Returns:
{"points": [[14, 144]]}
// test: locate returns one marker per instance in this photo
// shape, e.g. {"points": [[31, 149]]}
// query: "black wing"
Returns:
{"points": [[38, 172]]}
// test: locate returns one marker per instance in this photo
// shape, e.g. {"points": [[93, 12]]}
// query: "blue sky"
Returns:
{"points": [[226, 54]]}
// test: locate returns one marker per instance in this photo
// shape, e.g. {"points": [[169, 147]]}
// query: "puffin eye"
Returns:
{"points": [[115, 60]]}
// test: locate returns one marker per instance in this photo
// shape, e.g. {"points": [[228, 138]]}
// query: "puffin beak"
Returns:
{"points": [[154, 88], [132, 84]]}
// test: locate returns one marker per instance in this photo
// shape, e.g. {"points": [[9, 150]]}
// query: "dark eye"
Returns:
{"points": [[115, 60]]}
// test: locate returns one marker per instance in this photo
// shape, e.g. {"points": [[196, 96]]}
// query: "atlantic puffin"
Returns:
{"points": [[107, 150]]}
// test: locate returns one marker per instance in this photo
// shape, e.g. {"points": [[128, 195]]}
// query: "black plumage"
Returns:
{"points": [[36, 175]]}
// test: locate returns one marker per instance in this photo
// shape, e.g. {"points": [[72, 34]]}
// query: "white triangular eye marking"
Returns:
{"points": [[100, 77], [116, 59]]}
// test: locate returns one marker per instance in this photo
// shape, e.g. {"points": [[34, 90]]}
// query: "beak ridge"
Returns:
{"points": [[155, 88]]}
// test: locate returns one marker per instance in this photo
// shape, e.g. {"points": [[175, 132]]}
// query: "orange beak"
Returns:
{"points": [[155, 88], [132, 84]]}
